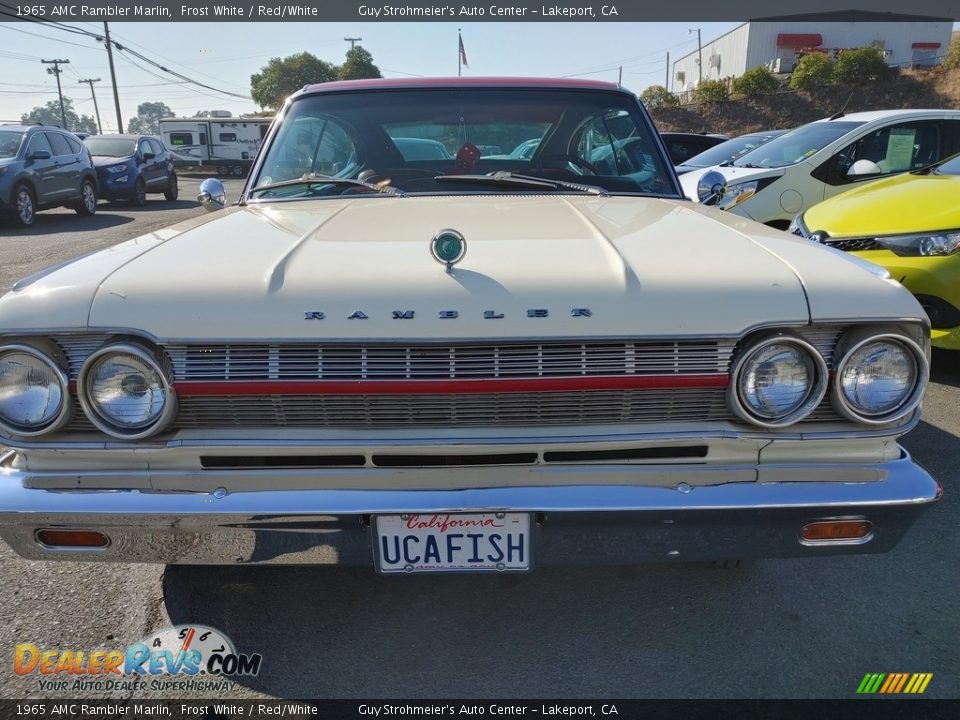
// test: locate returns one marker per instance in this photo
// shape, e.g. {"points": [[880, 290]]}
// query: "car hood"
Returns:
{"points": [[107, 160], [689, 180], [897, 205], [599, 267]]}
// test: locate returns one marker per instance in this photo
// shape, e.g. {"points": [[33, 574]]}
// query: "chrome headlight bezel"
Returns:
{"points": [[52, 358], [911, 399], [156, 362], [815, 393]]}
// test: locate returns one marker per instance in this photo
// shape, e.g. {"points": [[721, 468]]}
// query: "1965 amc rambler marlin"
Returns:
{"points": [[464, 362]]}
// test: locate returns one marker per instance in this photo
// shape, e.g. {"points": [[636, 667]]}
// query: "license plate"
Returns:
{"points": [[452, 542]]}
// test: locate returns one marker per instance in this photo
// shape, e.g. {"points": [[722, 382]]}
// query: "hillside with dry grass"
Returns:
{"points": [[935, 88]]}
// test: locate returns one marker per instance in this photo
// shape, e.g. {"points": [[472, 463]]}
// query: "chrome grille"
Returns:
{"points": [[301, 361], [385, 411], [425, 362]]}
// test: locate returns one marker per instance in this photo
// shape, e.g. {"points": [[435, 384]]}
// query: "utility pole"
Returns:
{"points": [[113, 77], [699, 54], [90, 82], [352, 41], [666, 82], [55, 70], [620, 77]]}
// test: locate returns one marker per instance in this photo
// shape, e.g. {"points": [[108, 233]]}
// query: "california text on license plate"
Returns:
{"points": [[452, 542]]}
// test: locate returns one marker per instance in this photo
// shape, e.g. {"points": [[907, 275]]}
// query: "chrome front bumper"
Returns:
{"points": [[575, 524]]}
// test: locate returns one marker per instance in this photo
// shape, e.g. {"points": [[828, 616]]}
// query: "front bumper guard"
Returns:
{"points": [[575, 524]]}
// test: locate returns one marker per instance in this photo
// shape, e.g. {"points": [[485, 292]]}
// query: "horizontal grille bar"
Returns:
{"points": [[448, 387]]}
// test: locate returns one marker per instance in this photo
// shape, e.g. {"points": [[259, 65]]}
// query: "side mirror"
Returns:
{"points": [[864, 167], [213, 196], [39, 155], [711, 187], [148, 156]]}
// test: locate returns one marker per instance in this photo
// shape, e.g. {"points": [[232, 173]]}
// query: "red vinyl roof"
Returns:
{"points": [[799, 40], [396, 83]]}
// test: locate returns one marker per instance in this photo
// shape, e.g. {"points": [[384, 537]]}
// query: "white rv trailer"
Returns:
{"points": [[227, 144]]}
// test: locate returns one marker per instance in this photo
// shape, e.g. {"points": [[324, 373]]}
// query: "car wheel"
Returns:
{"points": [[238, 170], [140, 193], [173, 191], [88, 199], [24, 206]]}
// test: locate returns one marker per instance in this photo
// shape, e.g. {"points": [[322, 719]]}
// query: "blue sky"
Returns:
{"points": [[224, 55]]}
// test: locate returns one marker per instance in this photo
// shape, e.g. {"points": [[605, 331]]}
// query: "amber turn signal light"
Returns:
{"points": [[72, 539], [834, 530]]}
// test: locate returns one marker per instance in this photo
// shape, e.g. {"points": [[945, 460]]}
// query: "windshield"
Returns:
{"points": [[10, 142], [727, 151], [949, 167], [412, 140], [796, 145], [110, 147]]}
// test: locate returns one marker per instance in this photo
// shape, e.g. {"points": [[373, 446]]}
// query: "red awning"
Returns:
{"points": [[799, 40], [925, 46]]}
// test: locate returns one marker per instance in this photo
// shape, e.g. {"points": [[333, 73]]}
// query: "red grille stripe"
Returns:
{"points": [[447, 387]]}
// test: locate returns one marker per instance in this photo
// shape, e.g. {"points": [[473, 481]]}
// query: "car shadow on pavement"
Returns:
{"points": [[62, 222], [346, 632], [152, 205], [945, 368]]}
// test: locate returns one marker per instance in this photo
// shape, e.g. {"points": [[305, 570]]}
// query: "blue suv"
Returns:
{"points": [[43, 167], [130, 166]]}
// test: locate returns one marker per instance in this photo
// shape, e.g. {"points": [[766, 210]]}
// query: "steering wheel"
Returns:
{"points": [[541, 163]]}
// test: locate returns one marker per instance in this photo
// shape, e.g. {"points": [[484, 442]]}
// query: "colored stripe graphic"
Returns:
{"points": [[894, 683]]}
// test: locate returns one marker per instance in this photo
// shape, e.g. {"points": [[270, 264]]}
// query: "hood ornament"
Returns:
{"points": [[448, 248]]}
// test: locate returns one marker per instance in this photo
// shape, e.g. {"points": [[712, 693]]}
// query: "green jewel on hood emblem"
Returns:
{"points": [[448, 247]]}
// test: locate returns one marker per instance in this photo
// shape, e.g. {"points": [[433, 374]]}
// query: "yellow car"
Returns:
{"points": [[909, 224]]}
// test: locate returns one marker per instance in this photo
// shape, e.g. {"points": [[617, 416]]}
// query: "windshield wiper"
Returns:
{"points": [[747, 165], [314, 179], [502, 177]]}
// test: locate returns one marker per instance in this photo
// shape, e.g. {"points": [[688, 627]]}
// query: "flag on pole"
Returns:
{"points": [[463, 54]]}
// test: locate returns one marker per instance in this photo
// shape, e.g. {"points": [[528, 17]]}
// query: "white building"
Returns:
{"points": [[776, 43]]}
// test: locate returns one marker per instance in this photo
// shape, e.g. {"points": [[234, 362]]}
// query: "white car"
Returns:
{"points": [[466, 364], [804, 166]]}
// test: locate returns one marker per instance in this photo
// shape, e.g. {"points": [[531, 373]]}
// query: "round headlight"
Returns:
{"points": [[33, 392], [778, 382], [880, 379], [125, 392]]}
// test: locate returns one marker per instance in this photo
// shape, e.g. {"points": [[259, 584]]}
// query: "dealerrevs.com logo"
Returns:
{"points": [[185, 657]]}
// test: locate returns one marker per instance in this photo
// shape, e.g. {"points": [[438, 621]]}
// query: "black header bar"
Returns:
{"points": [[470, 11]]}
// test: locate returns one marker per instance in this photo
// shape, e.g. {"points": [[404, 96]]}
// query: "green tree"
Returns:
{"points": [[358, 65], [814, 70], [282, 77], [148, 118], [657, 96], [711, 91], [862, 65], [49, 114], [755, 82]]}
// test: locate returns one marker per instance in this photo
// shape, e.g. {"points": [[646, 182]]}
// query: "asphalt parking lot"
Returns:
{"points": [[790, 628]]}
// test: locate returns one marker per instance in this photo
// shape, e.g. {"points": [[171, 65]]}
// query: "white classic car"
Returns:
{"points": [[464, 363]]}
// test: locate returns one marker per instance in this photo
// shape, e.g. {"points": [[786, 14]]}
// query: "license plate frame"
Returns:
{"points": [[442, 525]]}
